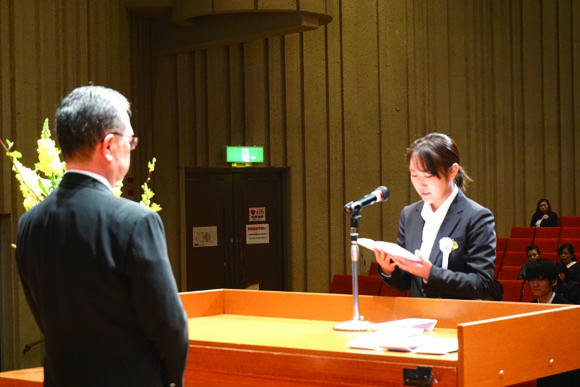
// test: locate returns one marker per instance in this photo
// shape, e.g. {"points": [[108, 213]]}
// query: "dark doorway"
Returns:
{"points": [[235, 228]]}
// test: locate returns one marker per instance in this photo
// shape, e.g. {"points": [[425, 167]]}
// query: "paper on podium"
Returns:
{"points": [[387, 247], [405, 340], [426, 324], [405, 336]]}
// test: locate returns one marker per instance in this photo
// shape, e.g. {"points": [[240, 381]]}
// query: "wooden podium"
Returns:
{"points": [[259, 338]]}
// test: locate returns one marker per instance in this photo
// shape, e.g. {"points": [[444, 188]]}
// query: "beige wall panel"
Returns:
{"points": [[237, 104], [316, 161], [218, 105], [297, 274], [256, 95], [49, 62], [361, 108], [518, 197], [338, 221], [319, 6], [566, 83], [165, 180], [227, 5], [185, 110], [533, 104], [438, 59], [277, 4], [394, 113], [418, 79], [277, 145], [201, 119], [573, 157], [502, 106], [6, 127], [551, 95]]}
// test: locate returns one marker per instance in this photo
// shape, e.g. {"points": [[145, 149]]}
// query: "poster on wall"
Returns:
{"points": [[257, 214], [205, 236], [257, 234]]}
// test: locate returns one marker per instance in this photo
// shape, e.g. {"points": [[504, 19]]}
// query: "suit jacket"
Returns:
{"points": [[552, 220], [557, 300], [469, 274], [97, 277]]}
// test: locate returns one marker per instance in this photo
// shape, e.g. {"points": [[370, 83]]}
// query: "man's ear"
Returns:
{"points": [[106, 145]]}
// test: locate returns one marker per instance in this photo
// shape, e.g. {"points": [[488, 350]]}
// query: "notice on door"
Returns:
{"points": [[257, 214], [205, 236], [257, 234]]}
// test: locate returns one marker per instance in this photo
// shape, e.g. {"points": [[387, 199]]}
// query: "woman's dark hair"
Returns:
{"points": [[538, 205], [569, 247], [542, 269], [438, 152], [533, 247]]}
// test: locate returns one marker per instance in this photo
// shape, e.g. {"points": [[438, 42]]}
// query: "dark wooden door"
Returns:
{"points": [[235, 229]]}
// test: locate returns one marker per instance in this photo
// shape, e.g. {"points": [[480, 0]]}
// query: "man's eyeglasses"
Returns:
{"points": [[134, 140]]}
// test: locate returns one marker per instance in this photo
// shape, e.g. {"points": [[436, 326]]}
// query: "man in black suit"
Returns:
{"points": [[94, 267]]}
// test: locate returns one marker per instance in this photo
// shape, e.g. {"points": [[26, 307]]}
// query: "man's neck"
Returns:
{"points": [[545, 298]]}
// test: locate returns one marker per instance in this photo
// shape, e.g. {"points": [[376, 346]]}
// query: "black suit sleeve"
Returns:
{"points": [[552, 220], [478, 262], [154, 292]]}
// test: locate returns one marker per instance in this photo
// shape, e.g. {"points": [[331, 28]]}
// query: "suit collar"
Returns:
{"points": [[73, 180], [448, 226]]}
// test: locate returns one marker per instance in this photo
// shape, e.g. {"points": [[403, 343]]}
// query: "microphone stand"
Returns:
{"points": [[357, 323]]}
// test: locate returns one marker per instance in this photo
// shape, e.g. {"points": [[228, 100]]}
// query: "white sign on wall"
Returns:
{"points": [[205, 236], [257, 234], [257, 214]]}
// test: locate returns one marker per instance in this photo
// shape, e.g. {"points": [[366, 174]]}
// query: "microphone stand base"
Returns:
{"points": [[353, 326]]}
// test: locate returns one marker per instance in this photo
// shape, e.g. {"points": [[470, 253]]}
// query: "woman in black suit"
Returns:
{"points": [[544, 216], [452, 236], [567, 257]]}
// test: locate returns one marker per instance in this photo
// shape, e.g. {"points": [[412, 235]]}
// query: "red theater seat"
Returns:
{"points": [[386, 290], [369, 285], [575, 242], [547, 232], [547, 245], [374, 269], [515, 258], [527, 294], [509, 272], [523, 232], [518, 244], [570, 221], [512, 290], [570, 232]]}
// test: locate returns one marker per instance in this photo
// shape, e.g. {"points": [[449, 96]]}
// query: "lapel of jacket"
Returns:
{"points": [[449, 223], [416, 224]]}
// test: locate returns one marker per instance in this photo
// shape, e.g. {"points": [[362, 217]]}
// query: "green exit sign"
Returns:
{"points": [[244, 154]]}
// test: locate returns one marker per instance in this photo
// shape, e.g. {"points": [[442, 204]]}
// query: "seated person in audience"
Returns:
{"points": [[542, 275], [544, 216], [569, 288], [496, 291], [533, 252], [566, 255]]}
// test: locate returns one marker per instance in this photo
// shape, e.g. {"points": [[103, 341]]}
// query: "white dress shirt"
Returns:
{"points": [[433, 221]]}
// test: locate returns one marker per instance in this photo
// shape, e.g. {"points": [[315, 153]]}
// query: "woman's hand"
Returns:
{"points": [[385, 262], [421, 268]]}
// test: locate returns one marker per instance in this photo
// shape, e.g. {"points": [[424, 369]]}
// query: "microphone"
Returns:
{"points": [[380, 194]]}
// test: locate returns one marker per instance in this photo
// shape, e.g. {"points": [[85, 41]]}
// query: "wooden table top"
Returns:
{"points": [[299, 336]]}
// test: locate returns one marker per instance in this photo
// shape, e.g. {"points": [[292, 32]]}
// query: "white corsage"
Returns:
{"points": [[446, 245]]}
